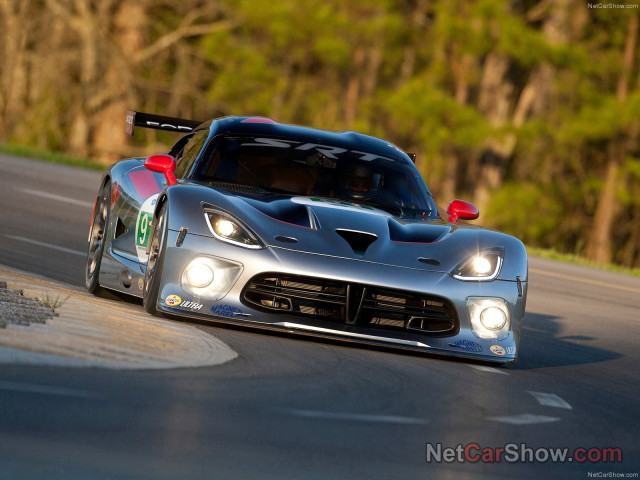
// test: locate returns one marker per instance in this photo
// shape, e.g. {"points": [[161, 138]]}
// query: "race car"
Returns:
{"points": [[251, 222]]}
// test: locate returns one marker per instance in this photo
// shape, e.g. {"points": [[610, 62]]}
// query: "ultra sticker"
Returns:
{"points": [[191, 305], [497, 350], [143, 224], [468, 346], [228, 311], [173, 300], [511, 350]]}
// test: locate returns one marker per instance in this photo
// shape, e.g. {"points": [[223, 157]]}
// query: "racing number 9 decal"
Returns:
{"points": [[143, 223], [142, 228]]}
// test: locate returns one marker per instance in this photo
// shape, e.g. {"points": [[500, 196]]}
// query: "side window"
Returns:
{"points": [[189, 153]]}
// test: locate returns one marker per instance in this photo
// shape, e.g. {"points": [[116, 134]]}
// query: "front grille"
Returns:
{"points": [[351, 303]]}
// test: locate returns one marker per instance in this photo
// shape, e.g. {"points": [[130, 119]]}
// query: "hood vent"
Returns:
{"points": [[417, 232], [358, 241]]}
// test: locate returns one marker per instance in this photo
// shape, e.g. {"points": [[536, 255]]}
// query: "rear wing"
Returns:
{"points": [[158, 122]]}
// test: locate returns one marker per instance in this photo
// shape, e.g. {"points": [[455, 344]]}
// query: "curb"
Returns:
{"points": [[87, 331]]}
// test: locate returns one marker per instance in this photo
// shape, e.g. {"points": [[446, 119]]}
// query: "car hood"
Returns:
{"points": [[360, 232]]}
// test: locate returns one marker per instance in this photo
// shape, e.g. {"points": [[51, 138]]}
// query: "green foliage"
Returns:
{"points": [[605, 117], [433, 117], [532, 212]]}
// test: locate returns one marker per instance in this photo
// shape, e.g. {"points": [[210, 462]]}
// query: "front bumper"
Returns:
{"points": [[233, 309]]}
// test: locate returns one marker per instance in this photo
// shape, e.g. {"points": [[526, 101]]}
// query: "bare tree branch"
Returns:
{"points": [[169, 39]]}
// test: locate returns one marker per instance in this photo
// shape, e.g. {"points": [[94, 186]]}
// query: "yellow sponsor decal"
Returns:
{"points": [[173, 300]]}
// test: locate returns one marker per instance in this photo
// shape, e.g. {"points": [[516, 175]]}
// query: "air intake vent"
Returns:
{"points": [[352, 304], [358, 241]]}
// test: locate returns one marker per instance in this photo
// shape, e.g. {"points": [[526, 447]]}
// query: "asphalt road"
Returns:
{"points": [[293, 408]]}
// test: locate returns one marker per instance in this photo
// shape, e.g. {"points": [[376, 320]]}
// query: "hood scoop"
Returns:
{"points": [[358, 241], [284, 210], [417, 232]]}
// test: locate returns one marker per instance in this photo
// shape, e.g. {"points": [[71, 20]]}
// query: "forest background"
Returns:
{"points": [[528, 108]]}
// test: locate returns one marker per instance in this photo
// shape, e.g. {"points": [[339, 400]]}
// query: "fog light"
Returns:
{"points": [[209, 277], [493, 318], [489, 317], [199, 274]]}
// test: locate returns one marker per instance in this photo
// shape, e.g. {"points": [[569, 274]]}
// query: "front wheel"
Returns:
{"points": [[153, 275], [97, 236]]}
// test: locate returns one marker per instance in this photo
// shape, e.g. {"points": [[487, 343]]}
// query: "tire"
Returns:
{"points": [[97, 235], [153, 274]]}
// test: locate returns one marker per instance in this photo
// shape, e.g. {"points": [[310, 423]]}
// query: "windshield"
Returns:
{"points": [[296, 168]]}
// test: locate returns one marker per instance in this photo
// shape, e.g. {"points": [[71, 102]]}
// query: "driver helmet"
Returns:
{"points": [[361, 182]]}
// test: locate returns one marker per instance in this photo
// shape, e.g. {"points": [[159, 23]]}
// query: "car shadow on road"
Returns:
{"points": [[542, 346]]}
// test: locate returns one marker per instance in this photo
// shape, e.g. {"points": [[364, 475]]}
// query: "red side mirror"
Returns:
{"points": [[461, 210], [164, 164]]}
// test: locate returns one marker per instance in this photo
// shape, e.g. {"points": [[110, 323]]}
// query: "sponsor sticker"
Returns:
{"points": [[228, 311], [191, 305], [497, 350], [140, 284], [143, 227], [173, 300], [468, 346], [511, 350]]}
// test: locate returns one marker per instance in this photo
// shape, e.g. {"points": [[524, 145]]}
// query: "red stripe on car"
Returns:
{"points": [[144, 183], [259, 120]]}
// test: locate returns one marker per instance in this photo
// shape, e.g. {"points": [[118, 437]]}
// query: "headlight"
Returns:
{"points": [[209, 277], [228, 229], [489, 317], [482, 266]]}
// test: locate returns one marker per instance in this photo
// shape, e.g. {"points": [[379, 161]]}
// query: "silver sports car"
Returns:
{"points": [[333, 234]]}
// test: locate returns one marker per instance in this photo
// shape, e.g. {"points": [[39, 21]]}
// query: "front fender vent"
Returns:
{"points": [[121, 228]]}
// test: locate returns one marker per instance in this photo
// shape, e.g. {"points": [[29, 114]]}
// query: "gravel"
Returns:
{"points": [[17, 309]]}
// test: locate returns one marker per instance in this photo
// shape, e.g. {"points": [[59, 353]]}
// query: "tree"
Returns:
{"points": [[599, 247]]}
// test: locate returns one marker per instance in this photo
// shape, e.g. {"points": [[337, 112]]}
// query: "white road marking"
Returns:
{"points": [[52, 196], [524, 419], [47, 245], [358, 417], [550, 400], [484, 368], [45, 390]]}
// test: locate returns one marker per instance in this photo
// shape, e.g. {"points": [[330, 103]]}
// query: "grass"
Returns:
{"points": [[54, 157], [53, 303]]}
